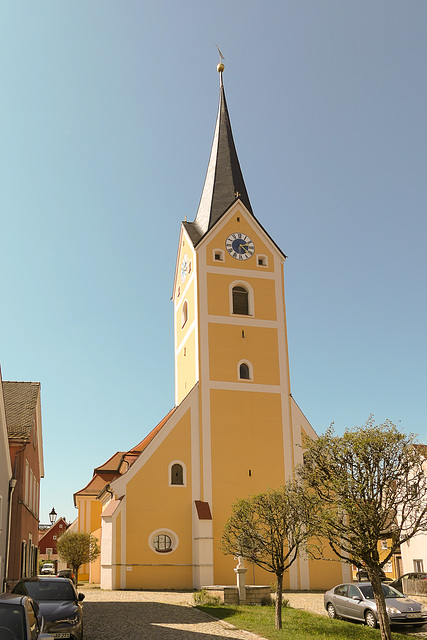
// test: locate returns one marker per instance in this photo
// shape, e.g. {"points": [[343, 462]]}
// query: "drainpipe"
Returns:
{"points": [[12, 485]]}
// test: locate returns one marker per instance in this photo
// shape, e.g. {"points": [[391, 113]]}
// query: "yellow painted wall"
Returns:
{"points": [[89, 521], [227, 348], [118, 543], [186, 358], [95, 567], [162, 506], [242, 226], [186, 366], [246, 434], [219, 303], [325, 574]]}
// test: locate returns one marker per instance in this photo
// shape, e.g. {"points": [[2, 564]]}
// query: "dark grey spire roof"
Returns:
{"points": [[224, 182]]}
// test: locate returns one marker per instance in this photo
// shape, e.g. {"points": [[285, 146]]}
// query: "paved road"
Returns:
{"points": [[167, 615], [150, 615]]}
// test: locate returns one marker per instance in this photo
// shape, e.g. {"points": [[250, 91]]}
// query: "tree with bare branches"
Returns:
{"points": [[270, 529], [371, 482]]}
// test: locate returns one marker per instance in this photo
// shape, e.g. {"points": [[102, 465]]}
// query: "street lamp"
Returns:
{"points": [[52, 515]]}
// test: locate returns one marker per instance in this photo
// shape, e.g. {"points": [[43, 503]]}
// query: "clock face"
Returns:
{"points": [[240, 246], [184, 267]]}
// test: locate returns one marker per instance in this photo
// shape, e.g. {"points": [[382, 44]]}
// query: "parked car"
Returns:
{"points": [[398, 584], [59, 603], [362, 574], [48, 569], [65, 573], [20, 619], [356, 601]]}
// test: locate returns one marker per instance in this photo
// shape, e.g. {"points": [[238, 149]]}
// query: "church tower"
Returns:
{"points": [[235, 429], [230, 338]]}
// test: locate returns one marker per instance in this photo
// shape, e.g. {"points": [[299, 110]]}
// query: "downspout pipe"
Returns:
{"points": [[12, 485]]}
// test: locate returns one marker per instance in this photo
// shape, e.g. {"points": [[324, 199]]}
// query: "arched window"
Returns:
{"points": [[184, 313], [244, 371], [177, 474], [240, 301]]}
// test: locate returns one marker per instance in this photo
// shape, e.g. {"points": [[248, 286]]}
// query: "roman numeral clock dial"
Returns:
{"points": [[240, 246]]}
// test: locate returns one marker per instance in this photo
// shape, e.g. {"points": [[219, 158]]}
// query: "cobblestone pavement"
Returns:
{"points": [[150, 615], [168, 615]]}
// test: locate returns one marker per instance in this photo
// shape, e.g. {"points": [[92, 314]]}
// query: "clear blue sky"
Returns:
{"points": [[108, 110]]}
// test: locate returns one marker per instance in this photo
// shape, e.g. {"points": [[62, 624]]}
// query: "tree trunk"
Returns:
{"points": [[279, 590], [76, 575], [383, 619]]}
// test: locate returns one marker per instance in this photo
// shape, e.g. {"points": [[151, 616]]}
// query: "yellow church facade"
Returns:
{"points": [[235, 429]]}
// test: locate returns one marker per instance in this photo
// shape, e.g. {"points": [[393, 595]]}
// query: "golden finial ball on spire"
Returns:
{"points": [[220, 67]]}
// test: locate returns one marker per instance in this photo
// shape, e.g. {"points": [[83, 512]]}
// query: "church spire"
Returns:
{"points": [[224, 182]]}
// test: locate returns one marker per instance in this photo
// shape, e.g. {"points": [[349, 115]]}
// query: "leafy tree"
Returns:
{"points": [[371, 483], [269, 529], [77, 548]]}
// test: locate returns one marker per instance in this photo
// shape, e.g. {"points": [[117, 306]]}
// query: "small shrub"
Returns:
{"points": [[205, 599], [267, 602]]}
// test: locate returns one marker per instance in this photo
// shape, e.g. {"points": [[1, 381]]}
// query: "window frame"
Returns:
{"points": [[184, 313], [184, 474], [251, 371], [163, 532], [251, 306], [264, 260]]}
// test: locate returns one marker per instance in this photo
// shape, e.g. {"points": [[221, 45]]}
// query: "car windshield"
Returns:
{"points": [[12, 619], [50, 590], [389, 592]]}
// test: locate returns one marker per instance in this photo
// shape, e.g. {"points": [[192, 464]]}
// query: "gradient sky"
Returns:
{"points": [[108, 110]]}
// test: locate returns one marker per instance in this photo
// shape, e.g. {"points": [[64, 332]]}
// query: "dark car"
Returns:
{"points": [[398, 584], [20, 619], [362, 574], [65, 573], [59, 603], [356, 601]]}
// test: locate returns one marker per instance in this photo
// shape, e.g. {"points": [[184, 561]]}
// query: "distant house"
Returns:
{"points": [[89, 509], [6, 489], [414, 552], [48, 543], [24, 425]]}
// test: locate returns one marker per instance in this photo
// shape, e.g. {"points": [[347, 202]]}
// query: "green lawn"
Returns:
{"points": [[297, 625]]}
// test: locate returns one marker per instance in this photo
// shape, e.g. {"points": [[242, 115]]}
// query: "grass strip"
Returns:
{"points": [[297, 624]]}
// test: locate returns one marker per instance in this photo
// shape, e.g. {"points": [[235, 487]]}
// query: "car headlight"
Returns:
{"points": [[423, 608], [392, 610]]}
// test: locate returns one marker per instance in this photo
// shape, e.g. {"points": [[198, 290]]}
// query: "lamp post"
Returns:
{"points": [[52, 516]]}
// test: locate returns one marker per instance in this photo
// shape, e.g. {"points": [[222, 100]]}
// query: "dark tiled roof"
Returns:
{"points": [[20, 400], [224, 182]]}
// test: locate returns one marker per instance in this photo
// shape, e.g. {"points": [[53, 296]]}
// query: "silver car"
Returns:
{"points": [[356, 601]]}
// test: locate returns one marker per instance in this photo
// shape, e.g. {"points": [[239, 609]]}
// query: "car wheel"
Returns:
{"points": [[370, 619], [331, 611]]}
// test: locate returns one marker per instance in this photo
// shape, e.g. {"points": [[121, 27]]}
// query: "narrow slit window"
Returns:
{"points": [[240, 301], [184, 313]]}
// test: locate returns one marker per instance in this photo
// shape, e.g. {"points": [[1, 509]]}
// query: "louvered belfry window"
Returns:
{"points": [[240, 301], [177, 474]]}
